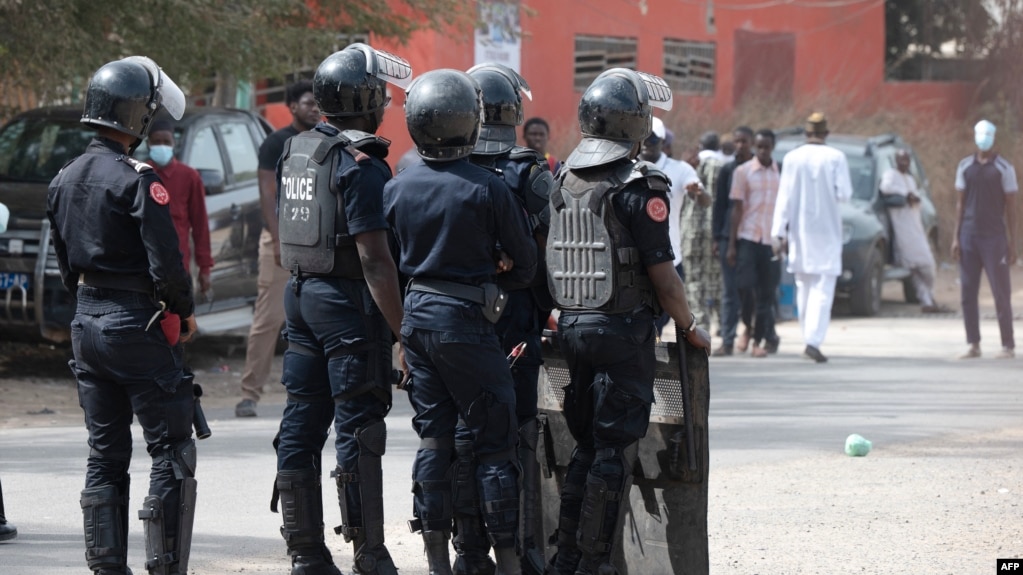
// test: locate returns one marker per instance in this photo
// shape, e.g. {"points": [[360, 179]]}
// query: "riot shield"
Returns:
{"points": [[665, 527]]}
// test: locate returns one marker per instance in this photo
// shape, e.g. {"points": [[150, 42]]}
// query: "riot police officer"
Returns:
{"points": [[450, 221], [609, 261], [342, 306], [529, 178], [118, 253]]}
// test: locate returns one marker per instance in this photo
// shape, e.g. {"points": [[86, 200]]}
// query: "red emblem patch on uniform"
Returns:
{"points": [[657, 209], [162, 197]]}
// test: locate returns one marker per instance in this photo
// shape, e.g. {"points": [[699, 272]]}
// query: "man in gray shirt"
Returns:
{"points": [[985, 211]]}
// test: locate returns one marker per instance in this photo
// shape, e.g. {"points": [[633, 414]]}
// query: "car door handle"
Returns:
{"points": [[236, 211]]}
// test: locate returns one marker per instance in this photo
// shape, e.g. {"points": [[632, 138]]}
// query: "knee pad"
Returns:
{"points": [[469, 536], [368, 479], [606, 487], [432, 497], [499, 496], [181, 456], [464, 491]]}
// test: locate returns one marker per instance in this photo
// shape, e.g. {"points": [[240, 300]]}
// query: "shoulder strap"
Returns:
{"points": [[140, 167]]}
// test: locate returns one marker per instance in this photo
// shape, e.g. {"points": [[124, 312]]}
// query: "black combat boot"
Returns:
{"points": [[7, 531], [437, 552], [302, 511], [507, 561], [105, 522]]}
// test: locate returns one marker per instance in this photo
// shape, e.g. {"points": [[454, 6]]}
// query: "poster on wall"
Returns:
{"points": [[499, 33]]}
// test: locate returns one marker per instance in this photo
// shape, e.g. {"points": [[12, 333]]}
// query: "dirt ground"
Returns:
{"points": [[37, 389]]}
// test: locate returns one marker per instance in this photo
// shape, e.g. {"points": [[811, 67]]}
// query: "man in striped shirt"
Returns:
{"points": [[753, 195]]}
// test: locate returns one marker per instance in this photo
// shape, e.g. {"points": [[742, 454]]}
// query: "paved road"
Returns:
{"points": [[892, 380]]}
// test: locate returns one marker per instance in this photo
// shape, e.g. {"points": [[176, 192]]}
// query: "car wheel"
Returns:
{"points": [[866, 296], [909, 290]]}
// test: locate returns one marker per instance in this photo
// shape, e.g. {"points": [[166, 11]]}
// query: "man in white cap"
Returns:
{"points": [[815, 179], [985, 211], [684, 182]]}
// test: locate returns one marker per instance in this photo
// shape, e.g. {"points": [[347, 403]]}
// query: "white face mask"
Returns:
{"points": [[162, 155], [984, 135], [984, 141]]}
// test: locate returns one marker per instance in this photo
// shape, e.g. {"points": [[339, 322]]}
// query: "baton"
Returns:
{"points": [[683, 372], [202, 428]]}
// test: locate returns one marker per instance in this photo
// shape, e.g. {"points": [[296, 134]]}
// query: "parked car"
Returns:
{"points": [[867, 251], [221, 143]]}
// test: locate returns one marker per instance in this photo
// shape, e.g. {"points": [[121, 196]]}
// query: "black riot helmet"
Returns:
{"points": [[443, 109], [502, 106], [615, 113], [126, 94], [351, 82]]}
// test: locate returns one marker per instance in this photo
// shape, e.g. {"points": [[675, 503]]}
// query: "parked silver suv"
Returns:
{"points": [[221, 143]]}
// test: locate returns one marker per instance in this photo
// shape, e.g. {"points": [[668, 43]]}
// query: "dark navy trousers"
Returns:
{"points": [[337, 369], [123, 370]]}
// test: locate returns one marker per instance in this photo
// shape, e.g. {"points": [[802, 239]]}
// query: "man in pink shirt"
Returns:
{"points": [[753, 195], [187, 200]]}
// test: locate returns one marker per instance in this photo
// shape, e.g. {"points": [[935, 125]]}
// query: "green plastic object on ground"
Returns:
{"points": [[857, 446]]}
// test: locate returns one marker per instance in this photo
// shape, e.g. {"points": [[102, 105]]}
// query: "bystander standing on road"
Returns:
{"points": [[912, 250], [7, 530], [753, 195], [187, 200], [268, 315], [536, 133], [815, 179], [985, 236], [684, 183], [732, 305]]}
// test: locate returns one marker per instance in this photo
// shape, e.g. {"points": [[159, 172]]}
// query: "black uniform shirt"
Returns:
{"points": [[448, 218], [363, 189], [633, 206], [108, 217], [516, 174]]}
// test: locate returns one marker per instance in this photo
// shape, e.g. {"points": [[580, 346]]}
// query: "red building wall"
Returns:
{"points": [[800, 51]]}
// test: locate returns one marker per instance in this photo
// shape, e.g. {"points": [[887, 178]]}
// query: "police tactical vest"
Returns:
{"points": [[535, 193], [312, 223], [592, 260]]}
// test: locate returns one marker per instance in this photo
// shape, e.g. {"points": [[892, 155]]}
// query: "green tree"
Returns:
{"points": [[920, 29], [49, 48]]}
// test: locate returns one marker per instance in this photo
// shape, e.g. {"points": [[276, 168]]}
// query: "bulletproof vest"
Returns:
{"points": [[312, 224], [533, 185], [592, 259]]}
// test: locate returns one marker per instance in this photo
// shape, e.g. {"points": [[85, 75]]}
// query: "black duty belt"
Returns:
{"points": [[116, 281], [471, 293]]}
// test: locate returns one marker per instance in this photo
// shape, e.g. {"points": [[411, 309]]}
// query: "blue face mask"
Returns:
{"points": [[162, 155], [984, 140]]}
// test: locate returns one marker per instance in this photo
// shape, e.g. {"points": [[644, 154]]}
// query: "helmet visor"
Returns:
{"points": [[658, 91], [386, 66], [171, 97]]}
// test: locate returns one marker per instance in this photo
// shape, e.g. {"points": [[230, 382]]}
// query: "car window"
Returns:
{"points": [[35, 149], [861, 172], [204, 154], [241, 150]]}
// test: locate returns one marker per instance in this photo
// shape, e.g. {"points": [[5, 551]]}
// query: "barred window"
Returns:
{"points": [[689, 66], [594, 54]]}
